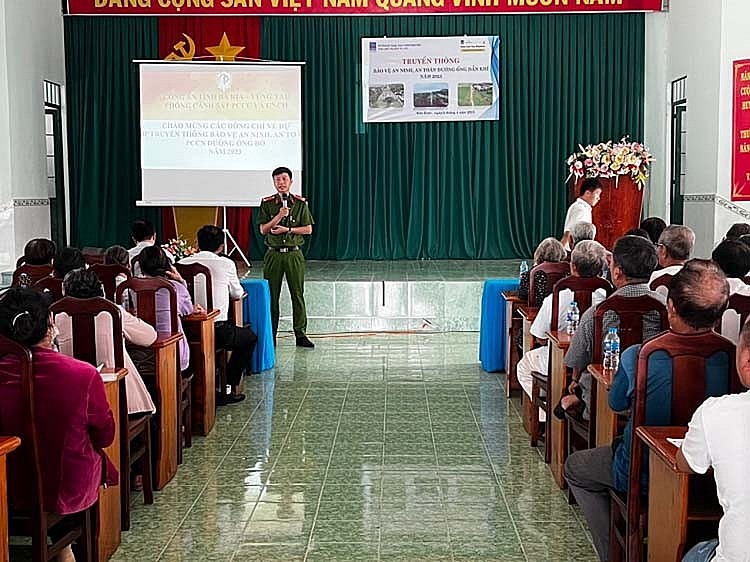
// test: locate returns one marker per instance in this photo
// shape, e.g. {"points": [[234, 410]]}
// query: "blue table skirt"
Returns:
{"points": [[493, 330], [257, 312]]}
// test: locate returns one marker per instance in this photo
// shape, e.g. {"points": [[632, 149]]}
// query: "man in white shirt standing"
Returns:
{"points": [[240, 340], [581, 210], [587, 260], [718, 437], [674, 248]]}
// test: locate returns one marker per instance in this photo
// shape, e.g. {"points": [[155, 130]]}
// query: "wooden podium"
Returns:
{"points": [[618, 210]]}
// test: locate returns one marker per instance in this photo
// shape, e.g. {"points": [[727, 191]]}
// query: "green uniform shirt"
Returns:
{"points": [[299, 215]]}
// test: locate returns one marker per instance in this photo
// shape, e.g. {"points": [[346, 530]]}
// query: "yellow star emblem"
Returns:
{"points": [[224, 51]]}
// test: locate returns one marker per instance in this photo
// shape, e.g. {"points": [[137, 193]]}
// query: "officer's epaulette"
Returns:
{"points": [[298, 197], [269, 198]]}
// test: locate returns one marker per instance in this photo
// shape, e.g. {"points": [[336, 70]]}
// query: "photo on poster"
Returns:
{"points": [[431, 94], [473, 95], [386, 95]]}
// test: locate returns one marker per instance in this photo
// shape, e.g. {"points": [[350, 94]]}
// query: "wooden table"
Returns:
{"points": [[512, 302], [674, 500], [7, 445], [199, 331], [528, 314], [559, 342], [167, 402], [604, 418], [109, 498]]}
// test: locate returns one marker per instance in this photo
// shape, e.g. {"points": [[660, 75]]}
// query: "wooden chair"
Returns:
{"points": [[543, 278], [190, 272], [661, 281], [689, 354], [50, 532], [27, 275], [145, 290], [136, 448], [739, 306], [108, 275], [51, 284], [93, 256], [583, 290], [630, 311]]}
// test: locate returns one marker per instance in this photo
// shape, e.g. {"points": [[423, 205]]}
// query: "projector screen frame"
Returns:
{"points": [[242, 62]]}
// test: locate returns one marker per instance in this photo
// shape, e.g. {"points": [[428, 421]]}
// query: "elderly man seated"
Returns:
{"points": [[698, 296], [674, 248], [587, 260], [582, 231], [708, 444]]}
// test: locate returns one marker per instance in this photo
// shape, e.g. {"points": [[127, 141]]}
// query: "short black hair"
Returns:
{"points": [[142, 229], [699, 293], [636, 256], [733, 257], [154, 262], [590, 184], [281, 170], [24, 315], [39, 251], [638, 232], [117, 255], [66, 260], [736, 230], [654, 226], [210, 238], [82, 284]]}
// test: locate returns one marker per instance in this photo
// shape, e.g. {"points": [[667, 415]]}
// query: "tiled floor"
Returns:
{"points": [[392, 448]]}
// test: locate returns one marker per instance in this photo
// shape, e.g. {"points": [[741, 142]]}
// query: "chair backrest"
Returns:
{"points": [[83, 313], [27, 275], [542, 279], [108, 274], [93, 256], [25, 490], [189, 272], [689, 354], [583, 291], [51, 284], [739, 305], [144, 290], [661, 281], [629, 311]]}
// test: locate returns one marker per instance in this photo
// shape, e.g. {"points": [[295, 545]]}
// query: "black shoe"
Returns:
{"points": [[234, 398], [303, 341]]}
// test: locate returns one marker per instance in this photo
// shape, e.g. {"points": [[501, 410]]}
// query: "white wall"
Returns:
{"points": [[31, 50]]}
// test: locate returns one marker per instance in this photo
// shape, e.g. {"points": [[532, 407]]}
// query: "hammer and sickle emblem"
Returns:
{"points": [[180, 53]]}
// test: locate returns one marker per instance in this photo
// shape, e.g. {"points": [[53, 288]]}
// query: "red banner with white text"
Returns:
{"points": [[741, 132], [350, 7]]}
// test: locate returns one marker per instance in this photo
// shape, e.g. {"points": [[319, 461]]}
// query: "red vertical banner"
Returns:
{"points": [[213, 38], [741, 132]]}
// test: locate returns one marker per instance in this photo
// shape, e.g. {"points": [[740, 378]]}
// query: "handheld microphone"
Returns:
{"points": [[285, 203]]}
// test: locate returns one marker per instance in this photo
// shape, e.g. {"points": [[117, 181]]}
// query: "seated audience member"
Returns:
{"points": [[143, 235], [698, 296], [733, 257], [638, 232], [155, 263], [581, 209], [549, 250], [711, 443], [66, 260], [674, 249], [117, 255], [74, 424], [633, 260], [654, 226], [39, 251], [737, 230], [587, 260], [582, 231], [84, 284], [240, 340]]}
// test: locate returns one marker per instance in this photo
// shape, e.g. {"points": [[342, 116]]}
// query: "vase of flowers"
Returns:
{"points": [[608, 160], [179, 248]]}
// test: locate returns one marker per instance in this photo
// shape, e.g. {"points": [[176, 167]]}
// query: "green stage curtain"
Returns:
{"points": [[457, 190], [103, 129]]}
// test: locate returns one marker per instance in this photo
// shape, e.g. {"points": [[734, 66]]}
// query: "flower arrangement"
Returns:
{"points": [[611, 160], [179, 248]]}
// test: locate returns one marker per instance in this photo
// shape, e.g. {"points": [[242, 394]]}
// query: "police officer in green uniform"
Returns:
{"points": [[284, 220]]}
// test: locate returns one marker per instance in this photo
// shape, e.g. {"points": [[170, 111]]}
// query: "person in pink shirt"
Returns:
{"points": [[73, 420]]}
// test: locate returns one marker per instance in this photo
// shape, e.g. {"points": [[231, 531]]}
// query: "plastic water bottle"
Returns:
{"points": [[572, 317], [611, 350], [524, 269]]}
